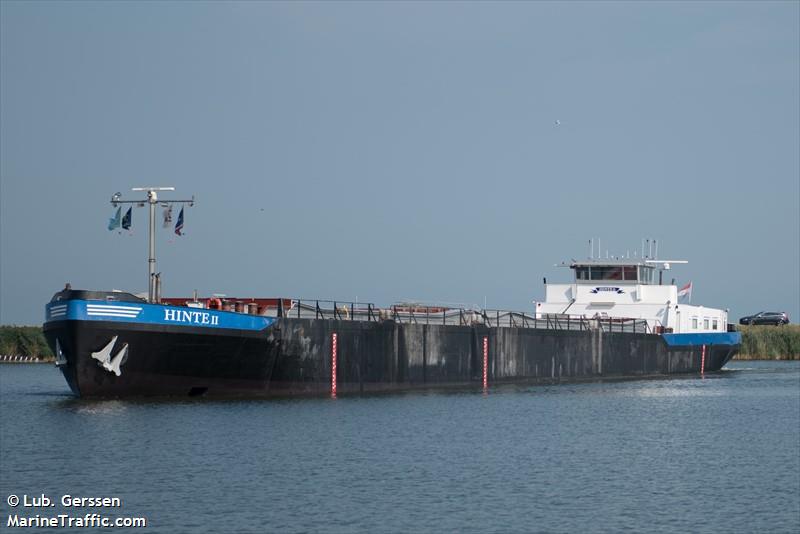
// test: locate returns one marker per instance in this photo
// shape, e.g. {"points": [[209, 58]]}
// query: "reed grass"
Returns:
{"points": [[770, 343]]}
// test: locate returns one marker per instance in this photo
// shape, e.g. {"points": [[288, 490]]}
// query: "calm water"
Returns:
{"points": [[720, 454]]}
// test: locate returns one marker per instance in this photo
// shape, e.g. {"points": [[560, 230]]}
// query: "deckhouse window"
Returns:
{"points": [[645, 275], [630, 272], [606, 273]]}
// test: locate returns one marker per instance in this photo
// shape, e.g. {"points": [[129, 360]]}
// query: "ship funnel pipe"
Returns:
{"points": [[157, 277]]}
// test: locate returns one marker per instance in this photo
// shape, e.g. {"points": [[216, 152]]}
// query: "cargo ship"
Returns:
{"points": [[615, 319], [116, 344]]}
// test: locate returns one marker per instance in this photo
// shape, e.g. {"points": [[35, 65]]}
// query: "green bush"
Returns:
{"points": [[24, 341], [770, 342]]}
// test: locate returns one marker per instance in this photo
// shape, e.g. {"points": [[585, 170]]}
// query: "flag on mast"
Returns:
{"points": [[179, 223], [685, 294], [113, 222], [127, 220], [167, 216]]}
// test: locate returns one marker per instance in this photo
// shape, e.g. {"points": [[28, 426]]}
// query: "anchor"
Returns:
{"points": [[112, 365]]}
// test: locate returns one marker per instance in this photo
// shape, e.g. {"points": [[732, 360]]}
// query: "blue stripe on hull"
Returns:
{"points": [[143, 313], [703, 338]]}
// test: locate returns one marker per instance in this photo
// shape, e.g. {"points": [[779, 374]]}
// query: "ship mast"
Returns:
{"points": [[152, 201]]}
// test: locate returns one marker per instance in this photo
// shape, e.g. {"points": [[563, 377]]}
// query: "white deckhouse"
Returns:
{"points": [[631, 289]]}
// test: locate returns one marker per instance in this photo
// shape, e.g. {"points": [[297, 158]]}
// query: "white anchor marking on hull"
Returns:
{"points": [[112, 365]]}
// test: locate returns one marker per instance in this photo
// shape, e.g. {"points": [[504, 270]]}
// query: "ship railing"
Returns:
{"points": [[330, 309], [603, 323], [504, 318], [358, 311], [492, 318], [434, 315], [511, 319]]}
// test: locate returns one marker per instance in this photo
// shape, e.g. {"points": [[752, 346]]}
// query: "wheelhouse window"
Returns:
{"points": [[628, 273], [714, 324], [694, 323], [606, 273], [646, 275], [596, 273], [705, 324]]}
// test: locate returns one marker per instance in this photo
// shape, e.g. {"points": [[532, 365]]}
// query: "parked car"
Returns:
{"points": [[774, 318]]}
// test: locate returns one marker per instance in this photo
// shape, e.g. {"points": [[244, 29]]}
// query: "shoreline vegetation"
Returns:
{"points": [[758, 343], [23, 342], [770, 342]]}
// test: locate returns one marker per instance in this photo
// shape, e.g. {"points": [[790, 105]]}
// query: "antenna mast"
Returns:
{"points": [[152, 200]]}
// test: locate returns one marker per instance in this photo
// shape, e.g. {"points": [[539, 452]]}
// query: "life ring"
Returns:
{"points": [[214, 304]]}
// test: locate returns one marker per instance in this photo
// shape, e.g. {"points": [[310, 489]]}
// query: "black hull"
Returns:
{"points": [[163, 360], [293, 357]]}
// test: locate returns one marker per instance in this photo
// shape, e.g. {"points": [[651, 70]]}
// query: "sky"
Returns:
{"points": [[389, 151]]}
